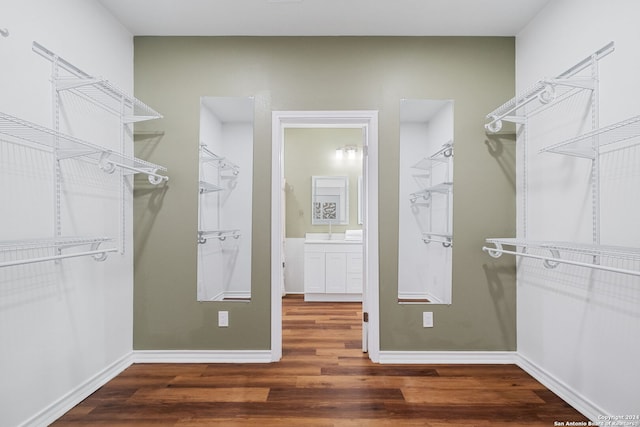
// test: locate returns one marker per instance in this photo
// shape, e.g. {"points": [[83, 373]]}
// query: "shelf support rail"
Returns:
{"points": [[554, 260], [545, 91]]}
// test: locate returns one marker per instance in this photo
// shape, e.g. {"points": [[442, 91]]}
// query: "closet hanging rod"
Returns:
{"points": [[444, 238], [101, 252], [154, 178], [442, 188], [446, 235], [544, 91], [219, 234], [60, 243], [550, 262], [71, 147], [617, 252]]}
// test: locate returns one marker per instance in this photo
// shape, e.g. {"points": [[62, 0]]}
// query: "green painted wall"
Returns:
{"points": [[309, 152], [324, 73]]}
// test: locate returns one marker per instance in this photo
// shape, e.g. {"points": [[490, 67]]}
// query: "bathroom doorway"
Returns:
{"points": [[364, 198]]}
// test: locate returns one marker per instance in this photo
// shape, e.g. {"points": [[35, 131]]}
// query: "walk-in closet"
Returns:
{"points": [[318, 212]]}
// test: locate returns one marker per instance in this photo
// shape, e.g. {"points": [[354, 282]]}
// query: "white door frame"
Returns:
{"points": [[367, 120]]}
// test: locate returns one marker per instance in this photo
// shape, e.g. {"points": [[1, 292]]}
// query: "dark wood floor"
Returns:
{"points": [[324, 379]]}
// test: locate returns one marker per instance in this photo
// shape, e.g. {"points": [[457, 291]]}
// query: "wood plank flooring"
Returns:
{"points": [[323, 380]]}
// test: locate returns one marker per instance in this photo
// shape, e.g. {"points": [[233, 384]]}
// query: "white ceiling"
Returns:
{"points": [[324, 17], [230, 109]]}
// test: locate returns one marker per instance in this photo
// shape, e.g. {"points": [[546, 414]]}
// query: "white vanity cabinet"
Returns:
{"points": [[332, 270]]}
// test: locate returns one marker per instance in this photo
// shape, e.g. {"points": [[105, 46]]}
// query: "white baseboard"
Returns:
{"points": [[565, 392], [54, 411], [441, 357], [202, 356]]}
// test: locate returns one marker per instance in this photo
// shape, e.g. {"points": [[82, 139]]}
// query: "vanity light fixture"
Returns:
{"points": [[348, 151]]}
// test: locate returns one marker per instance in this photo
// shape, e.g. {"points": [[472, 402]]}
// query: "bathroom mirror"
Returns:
{"points": [[225, 199], [425, 240], [329, 200]]}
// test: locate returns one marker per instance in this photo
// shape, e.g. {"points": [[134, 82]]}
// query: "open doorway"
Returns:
{"points": [[364, 122], [322, 229]]}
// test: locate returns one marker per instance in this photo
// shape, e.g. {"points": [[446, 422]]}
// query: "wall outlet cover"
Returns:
{"points": [[427, 319], [223, 319]]}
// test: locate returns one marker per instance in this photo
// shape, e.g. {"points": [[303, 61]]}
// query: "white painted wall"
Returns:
{"points": [[237, 210], [580, 326], [424, 270], [61, 324]]}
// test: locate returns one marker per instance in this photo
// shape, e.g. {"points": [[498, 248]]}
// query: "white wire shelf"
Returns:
{"points": [[20, 252], [589, 144], [97, 89], [207, 187], [598, 252], [547, 91], [66, 146], [424, 164], [442, 155], [218, 234], [442, 188], [445, 238], [208, 156]]}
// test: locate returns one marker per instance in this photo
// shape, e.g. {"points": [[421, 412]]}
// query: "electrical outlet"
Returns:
{"points": [[427, 319], [223, 319]]}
